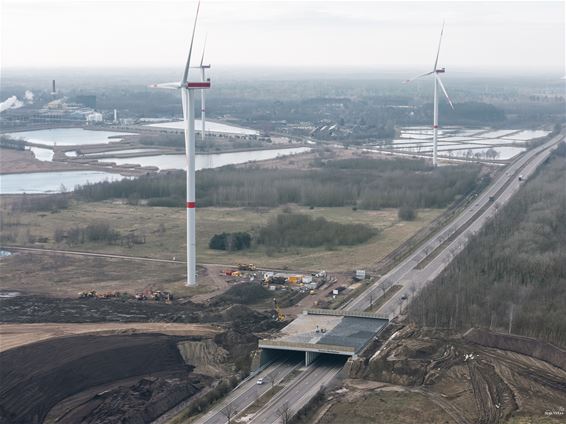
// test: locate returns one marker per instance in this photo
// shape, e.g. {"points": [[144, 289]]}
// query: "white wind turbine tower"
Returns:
{"points": [[437, 81], [188, 101]]}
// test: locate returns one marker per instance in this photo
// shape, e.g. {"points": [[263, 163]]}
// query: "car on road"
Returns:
{"points": [[259, 381], [404, 297]]}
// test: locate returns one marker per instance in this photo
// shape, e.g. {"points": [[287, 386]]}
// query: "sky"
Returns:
{"points": [[497, 35]]}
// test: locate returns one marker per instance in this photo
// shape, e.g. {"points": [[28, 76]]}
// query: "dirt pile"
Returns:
{"points": [[472, 383], [37, 376], [139, 403], [207, 357], [34, 309]]}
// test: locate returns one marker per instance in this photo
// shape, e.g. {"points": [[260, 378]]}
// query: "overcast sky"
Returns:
{"points": [[524, 36]]}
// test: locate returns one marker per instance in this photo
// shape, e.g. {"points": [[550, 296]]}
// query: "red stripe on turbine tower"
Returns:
{"points": [[191, 205]]}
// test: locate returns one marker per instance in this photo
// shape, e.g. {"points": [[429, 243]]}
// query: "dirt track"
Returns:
{"points": [[15, 335]]}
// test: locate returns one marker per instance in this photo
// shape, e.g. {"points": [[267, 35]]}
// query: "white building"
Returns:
{"points": [[94, 117]]}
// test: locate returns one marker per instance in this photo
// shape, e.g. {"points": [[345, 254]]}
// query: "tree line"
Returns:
{"points": [[98, 232], [512, 275], [361, 183]]}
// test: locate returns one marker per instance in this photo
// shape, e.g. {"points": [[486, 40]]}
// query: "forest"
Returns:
{"points": [[512, 275], [291, 229], [360, 183]]}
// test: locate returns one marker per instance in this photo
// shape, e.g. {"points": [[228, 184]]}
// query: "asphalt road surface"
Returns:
{"points": [[248, 391]]}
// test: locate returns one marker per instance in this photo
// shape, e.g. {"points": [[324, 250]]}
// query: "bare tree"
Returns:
{"points": [[285, 413], [229, 411]]}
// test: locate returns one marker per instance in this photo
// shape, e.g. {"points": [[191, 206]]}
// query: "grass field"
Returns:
{"points": [[386, 407], [164, 231]]}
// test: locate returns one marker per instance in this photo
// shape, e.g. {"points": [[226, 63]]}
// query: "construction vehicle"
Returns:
{"points": [[295, 279], [247, 267], [87, 294], [158, 296], [279, 315]]}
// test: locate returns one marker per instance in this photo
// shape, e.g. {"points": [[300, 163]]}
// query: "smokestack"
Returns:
{"points": [[53, 91], [115, 116]]}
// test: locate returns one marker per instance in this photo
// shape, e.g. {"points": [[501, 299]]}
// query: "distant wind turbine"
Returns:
{"points": [[188, 101], [437, 81]]}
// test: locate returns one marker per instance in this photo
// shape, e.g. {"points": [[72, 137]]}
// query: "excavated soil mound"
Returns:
{"points": [[139, 403], [37, 376]]}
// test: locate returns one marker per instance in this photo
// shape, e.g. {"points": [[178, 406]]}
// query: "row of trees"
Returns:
{"points": [[363, 183], [512, 275], [99, 232]]}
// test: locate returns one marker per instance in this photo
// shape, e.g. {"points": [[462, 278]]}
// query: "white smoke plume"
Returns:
{"points": [[29, 96], [11, 103]]}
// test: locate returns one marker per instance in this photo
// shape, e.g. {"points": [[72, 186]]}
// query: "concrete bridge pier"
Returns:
{"points": [[310, 357]]}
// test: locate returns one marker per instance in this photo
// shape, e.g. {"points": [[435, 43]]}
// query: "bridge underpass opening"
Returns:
{"points": [[328, 332], [308, 357]]}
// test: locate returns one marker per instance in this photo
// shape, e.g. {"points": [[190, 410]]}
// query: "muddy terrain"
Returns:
{"points": [[37, 376], [469, 381]]}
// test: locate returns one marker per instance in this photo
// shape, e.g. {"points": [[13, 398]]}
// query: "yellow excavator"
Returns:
{"points": [[279, 315]]}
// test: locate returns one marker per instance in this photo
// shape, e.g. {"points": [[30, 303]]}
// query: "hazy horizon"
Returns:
{"points": [[522, 38]]}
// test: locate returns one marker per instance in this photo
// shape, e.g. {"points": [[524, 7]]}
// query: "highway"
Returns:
{"points": [[310, 381], [445, 245], [249, 391], [410, 277]]}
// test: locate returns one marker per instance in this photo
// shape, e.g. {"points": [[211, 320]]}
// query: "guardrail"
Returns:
{"points": [[342, 313]]}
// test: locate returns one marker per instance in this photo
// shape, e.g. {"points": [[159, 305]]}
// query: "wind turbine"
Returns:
{"points": [[188, 101], [437, 81]]}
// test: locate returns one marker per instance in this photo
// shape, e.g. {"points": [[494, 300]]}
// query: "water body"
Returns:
{"points": [[40, 153], [68, 136], [528, 135], [210, 126], [207, 161], [51, 182]]}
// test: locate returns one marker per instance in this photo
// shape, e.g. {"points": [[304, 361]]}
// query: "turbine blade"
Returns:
{"points": [[417, 77], [439, 43], [203, 50], [444, 90], [167, 85], [187, 66]]}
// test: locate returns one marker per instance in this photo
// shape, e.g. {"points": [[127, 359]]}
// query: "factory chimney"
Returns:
{"points": [[115, 116], [53, 91]]}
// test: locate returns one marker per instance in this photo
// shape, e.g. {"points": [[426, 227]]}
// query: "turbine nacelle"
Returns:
{"points": [[440, 70], [198, 85]]}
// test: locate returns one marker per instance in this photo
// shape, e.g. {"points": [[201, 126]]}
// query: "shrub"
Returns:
{"points": [[407, 213], [230, 241]]}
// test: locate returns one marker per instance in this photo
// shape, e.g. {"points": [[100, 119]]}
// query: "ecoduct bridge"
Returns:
{"points": [[321, 331]]}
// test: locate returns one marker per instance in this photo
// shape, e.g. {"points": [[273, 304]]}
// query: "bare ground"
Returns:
{"points": [[469, 382], [15, 335]]}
